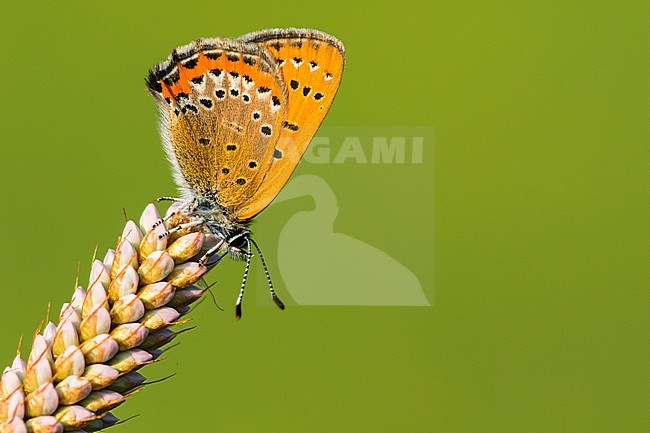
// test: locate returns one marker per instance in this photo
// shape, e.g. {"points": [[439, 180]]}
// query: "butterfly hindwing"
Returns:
{"points": [[311, 64], [223, 104]]}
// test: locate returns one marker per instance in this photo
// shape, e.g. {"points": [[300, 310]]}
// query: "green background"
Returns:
{"points": [[535, 203]]}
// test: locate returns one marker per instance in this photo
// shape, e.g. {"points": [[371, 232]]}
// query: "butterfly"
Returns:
{"points": [[236, 117]]}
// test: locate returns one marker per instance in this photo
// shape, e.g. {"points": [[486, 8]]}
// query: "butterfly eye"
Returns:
{"points": [[238, 242]]}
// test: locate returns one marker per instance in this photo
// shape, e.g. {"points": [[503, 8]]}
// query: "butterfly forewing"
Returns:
{"points": [[311, 64], [223, 104]]}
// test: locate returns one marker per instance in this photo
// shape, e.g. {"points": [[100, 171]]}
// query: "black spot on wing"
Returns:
{"points": [[190, 64], [290, 126], [213, 55], [172, 78], [190, 107], [181, 95]]}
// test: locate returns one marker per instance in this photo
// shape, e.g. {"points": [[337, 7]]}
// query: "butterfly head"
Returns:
{"points": [[238, 244]]}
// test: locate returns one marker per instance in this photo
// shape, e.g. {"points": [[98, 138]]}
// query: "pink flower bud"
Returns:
{"points": [[126, 282], [43, 401], [73, 389], [155, 267], [125, 255], [102, 401], [11, 389], [98, 321], [13, 425], [73, 417], [153, 241], [43, 424], [132, 234], [184, 297], [40, 348], [129, 335], [99, 349], [38, 373], [109, 258], [19, 367], [127, 309], [99, 272], [96, 295], [77, 298], [149, 216], [100, 375], [159, 318], [48, 333], [156, 295], [70, 314], [186, 247], [66, 336], [130, 360], [70, 362], [186, 274]]}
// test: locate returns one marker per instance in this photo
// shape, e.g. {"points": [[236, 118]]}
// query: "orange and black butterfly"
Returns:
{"points": [[236, 117]]}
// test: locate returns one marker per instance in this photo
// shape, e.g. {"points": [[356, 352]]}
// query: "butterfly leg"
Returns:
{"points": [[212, 251], [188, 206], [168, 198], [181, 227]]}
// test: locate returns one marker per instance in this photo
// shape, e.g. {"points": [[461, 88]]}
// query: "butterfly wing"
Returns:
{"points": [[222, 103], [311, 63]]}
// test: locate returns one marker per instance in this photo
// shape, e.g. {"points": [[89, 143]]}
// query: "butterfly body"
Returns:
{"points": [[236, 117]]}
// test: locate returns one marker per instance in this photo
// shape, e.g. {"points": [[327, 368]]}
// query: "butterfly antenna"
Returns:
{"points": [[277, 300], [240, 298]]}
